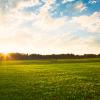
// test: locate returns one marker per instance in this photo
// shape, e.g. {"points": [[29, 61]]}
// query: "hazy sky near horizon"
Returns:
{"points": [[50, 26]]}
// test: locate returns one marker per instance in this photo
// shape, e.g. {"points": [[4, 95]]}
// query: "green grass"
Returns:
{"points": [[76, 79]]}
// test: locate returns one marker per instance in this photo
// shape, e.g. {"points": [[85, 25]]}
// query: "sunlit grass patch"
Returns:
{"points": [[50, 80]]}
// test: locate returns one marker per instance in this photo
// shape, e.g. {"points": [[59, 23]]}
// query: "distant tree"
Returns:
{"points": [[22, 56]]}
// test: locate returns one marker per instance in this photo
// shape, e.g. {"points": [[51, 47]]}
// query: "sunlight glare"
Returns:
{"points": [[5, 52]]}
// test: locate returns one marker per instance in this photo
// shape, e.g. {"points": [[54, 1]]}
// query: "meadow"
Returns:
{"points": [[62, 79]]}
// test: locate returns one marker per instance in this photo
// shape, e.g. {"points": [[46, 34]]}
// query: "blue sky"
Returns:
{"points": [[50, 26]]}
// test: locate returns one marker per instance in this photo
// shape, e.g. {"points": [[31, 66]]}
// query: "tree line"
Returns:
{"points": [[22, 56]]}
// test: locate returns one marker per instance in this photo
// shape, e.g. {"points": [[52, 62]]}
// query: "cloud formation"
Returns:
{"points": [[22, 30], [90, 23]]}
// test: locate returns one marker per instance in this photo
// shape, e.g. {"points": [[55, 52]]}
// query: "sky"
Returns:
{"points": [[50, 26]]}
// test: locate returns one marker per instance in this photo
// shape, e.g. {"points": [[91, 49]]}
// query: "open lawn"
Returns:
{"points": [[73, 79]]}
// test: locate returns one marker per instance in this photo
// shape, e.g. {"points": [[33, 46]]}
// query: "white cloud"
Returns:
{"points": [[43, 34], [92, 1], [90, 23], [81, 7], [65, 1], [27, 3]]}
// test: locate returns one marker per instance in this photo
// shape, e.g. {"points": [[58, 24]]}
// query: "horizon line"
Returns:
{"points": [[48, 54]]}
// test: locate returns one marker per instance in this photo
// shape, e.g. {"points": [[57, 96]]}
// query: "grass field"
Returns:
{"points": [[50, 80]]}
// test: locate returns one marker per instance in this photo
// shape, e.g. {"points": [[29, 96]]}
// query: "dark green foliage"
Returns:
{"points": [[22, 56]]}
